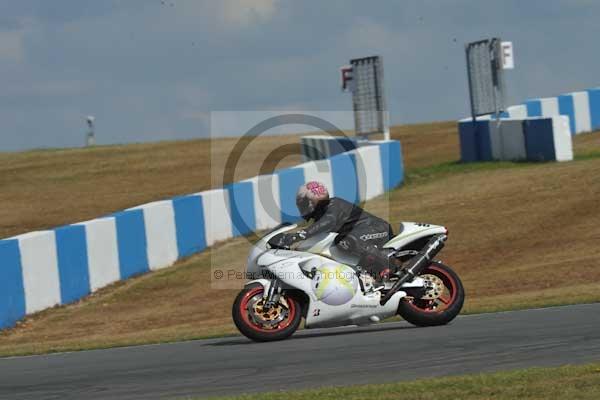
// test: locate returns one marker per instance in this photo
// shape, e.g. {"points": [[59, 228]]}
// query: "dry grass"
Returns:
{"points": [[424, 145], [586, 145], [521, 235], [46, 188]]}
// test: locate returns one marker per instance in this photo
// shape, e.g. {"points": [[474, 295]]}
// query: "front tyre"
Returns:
{"points": [[261, 324], [440, 304]]}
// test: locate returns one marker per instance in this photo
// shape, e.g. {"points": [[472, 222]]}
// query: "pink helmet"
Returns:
{"points": [[308, 196]]}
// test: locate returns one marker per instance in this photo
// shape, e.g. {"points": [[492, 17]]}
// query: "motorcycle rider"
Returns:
{"points": [[359, 233]]}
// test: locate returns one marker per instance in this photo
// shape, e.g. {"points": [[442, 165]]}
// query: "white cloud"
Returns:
{"points": [[193, 101], [46, 89], [196, 115], [244, 13], [366, 33]]}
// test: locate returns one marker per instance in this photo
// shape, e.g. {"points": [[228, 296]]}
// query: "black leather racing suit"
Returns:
{"points": [[359, 232]]}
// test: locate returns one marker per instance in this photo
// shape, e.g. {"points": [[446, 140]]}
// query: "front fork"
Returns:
{"points": [[272, 294]]}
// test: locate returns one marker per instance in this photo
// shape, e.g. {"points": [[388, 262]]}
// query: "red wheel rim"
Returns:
{"points": [[446, 299], [257, 327]]}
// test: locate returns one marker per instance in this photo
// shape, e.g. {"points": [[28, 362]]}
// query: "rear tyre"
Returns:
{"points": [[261, 324], [439, 305]]}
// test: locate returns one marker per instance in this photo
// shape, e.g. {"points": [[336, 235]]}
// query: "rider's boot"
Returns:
{"points": [[382, 278], [381, 267]]}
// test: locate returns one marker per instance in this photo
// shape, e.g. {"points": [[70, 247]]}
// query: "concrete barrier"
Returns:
{"points": [[517, 112], [289, 181], [102, 252], [370, 181], [132, 243], [582, 108], [241, 208], [475, 140], [390, 156], [73, 270], [548, 139], [42, 269], [594, 107], [533, 139], [265, 191], [189, 224], [215, 205], [507, 140], [318, 147], [581, 111], [12, 288], [344, 176], [161, 235]]}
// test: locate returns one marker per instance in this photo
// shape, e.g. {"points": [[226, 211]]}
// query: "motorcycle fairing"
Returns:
{"points": [[412, 231]]}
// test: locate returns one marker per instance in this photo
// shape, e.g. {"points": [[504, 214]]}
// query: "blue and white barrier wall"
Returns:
{"points": [[318, 147], [533, 139], [582, 108], [42, 269]]}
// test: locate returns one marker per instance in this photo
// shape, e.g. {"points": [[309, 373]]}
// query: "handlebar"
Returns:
{"points": [[275, 243]]}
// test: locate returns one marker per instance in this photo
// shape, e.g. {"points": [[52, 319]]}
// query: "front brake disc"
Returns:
{"points": [[268, 317]]}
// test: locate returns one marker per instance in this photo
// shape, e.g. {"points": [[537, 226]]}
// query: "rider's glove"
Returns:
{"points": [[291, 238]]}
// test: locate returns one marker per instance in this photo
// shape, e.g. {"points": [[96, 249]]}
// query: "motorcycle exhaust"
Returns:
{"points": [[417, 264]]}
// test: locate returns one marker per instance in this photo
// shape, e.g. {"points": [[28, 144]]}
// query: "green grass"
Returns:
{"points": [[438, 171], [567, 382], [588, 155]]}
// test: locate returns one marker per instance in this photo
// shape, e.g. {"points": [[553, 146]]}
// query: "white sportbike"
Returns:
{"points": [[324, 284]]}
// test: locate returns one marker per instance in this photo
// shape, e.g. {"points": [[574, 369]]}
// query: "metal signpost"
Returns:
{"points": [[485, 65], [364, 78], [90, 136]]}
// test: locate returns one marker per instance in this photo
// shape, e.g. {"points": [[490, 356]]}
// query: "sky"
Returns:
{"points": [[155, 69]]}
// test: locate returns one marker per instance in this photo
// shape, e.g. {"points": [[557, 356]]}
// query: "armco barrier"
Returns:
{"points": [[534, 139], [42, 269]]}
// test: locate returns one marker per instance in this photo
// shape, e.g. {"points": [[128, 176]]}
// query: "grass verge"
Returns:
{"points": [[567, 382]]}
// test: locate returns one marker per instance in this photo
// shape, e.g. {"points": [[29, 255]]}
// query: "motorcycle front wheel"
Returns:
{"points": [[260, 324], [440, 304]]}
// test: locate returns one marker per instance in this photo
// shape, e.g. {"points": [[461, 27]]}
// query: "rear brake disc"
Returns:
{"points": [[434, 287]]}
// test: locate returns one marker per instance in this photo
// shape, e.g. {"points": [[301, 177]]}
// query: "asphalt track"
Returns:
{"points": [[340, 356]]}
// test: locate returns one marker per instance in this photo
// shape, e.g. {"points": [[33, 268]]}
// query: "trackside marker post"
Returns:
{"points": [[364, 78]]}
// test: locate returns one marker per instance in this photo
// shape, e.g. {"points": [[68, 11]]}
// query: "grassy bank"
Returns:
{"points": [[48, 188]]}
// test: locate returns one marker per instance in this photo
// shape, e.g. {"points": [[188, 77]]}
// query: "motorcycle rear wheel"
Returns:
{"points": [[265, 325], [444, 307]]}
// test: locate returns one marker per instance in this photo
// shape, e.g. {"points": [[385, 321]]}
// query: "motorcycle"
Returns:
{"points": [[325, 285]]}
